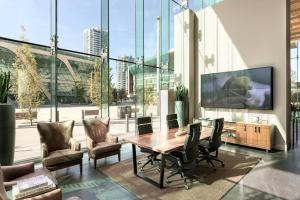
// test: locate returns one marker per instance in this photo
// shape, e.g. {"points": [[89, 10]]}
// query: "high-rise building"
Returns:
{"points": [[93, 38], [124, 79]]}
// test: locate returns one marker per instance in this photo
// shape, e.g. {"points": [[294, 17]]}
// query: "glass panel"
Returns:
{"points": [[105, 77], [79, 89], [53, 46], [122, 98], [33, 15], [151, 96], [122, 29], [139, 55], [30, 92], [79, 26], [151, 13]]}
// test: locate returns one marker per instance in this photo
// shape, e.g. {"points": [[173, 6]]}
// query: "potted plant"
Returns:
{"points": [[181, 105], [7, 122]]}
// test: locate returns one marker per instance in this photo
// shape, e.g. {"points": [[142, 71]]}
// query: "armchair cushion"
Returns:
{"points": [[97, 129], [13, 172], [104, 147], [3, 195], [62, 156], [56, 135]]}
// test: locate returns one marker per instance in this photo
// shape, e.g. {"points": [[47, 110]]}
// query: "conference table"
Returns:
{"points": [[162, 142]]}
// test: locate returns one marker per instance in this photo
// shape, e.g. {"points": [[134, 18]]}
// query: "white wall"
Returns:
{"points": [[184, 54], [243, 34]]}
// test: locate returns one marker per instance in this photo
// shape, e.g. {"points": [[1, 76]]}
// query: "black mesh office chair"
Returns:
{"points": [[207, 147], [188, 156], [172, 121], [144, 126]]}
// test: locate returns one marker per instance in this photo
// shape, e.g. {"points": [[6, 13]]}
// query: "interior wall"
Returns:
{"points": [[184, 60], [244, 34]]}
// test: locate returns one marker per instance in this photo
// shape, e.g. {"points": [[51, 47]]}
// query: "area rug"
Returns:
{"points": [[210, 185]]}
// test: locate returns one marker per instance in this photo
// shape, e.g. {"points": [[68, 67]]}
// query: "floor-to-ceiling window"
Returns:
{"points": [[25, 52], [99, 55]]}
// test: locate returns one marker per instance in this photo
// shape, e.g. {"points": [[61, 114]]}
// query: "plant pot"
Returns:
{"points": [[181, 111], [7, 134]]}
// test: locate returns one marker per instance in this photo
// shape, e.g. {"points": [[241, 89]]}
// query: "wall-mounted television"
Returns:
{"points": [[243, 89]]}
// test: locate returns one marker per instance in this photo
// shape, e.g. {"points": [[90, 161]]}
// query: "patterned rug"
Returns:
{"points": [[210, 185]]}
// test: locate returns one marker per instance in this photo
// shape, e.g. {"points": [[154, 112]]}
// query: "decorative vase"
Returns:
{"points": [[181, 111], [7, 134]]}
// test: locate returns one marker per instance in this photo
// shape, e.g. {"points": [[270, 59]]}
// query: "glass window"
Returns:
{"points": [[122, 28], [33, 15], [79, 25]]}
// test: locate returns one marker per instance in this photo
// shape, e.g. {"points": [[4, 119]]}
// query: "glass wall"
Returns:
{"points": [[295, 74], [105, 57]]}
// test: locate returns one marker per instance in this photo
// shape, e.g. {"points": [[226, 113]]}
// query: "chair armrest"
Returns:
{"points": [[75, 146], [111, 138], [44, 148], [90, 144], [178, 162], [52, 195], [15, 171]]}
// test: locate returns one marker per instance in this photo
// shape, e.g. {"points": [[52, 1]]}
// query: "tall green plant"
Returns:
{"points": [[4, 86], [181, 92]]}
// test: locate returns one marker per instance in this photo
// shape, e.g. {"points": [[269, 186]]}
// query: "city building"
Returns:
{"points": [[124, 78], [94, 40]]}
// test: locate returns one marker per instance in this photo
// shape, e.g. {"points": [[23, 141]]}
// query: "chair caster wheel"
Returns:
{"points": [[215, 170], [186, 187], [168, 182], [223, 164]]}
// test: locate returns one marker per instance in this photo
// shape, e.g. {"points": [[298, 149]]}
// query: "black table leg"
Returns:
{"points": [[162, 171], [134, 159]]}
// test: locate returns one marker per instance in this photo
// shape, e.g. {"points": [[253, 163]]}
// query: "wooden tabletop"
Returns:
{"points": [[164, 141]]}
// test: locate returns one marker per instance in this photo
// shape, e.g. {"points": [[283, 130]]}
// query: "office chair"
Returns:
{"points": [[211, 145], [144, 126], [172, 121], [188, 156]]}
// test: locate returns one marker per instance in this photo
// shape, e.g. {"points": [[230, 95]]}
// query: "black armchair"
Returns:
{"points": [[172, 121], [144, 126], [188, 156], [207, 147]]}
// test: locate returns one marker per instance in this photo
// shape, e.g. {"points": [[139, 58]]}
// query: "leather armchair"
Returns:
{"points": [[59, 149], [9, 175], [100, 142]]}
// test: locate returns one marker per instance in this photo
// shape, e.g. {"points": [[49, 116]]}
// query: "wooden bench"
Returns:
{"points": [[23, 115], [89, 113]]}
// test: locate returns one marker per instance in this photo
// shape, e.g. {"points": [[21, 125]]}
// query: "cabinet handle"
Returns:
{"points": [[255, 129], [259, 129]]}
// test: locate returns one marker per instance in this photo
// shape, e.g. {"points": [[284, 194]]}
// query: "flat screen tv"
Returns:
{"points": [[244, 89]]}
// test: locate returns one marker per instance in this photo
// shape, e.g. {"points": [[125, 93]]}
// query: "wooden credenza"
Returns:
{"points": [[252, 134]]}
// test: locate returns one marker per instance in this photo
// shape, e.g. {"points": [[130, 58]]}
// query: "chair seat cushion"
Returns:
{"points": [[204, 143], [62, 156], [104, 147], [204, 146]]}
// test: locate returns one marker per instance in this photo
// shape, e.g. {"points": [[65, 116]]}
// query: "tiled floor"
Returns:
{"points": [[275, 177]]}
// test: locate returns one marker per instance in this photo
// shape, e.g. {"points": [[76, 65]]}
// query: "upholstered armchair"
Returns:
{"points": [[9, 175], [59, 149], [100, 142]]}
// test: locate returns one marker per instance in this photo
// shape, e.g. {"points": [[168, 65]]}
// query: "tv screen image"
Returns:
{"points": [[244, 89]]}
